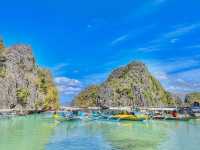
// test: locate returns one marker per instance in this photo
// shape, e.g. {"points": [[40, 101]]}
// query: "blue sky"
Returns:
{"points": [[82, 41]]}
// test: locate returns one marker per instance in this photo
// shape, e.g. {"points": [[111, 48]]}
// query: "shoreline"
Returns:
{"points": [[8, 112], [65, 109]]}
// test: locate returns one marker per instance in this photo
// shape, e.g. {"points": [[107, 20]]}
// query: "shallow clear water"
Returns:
{"points": [[40, 132]]}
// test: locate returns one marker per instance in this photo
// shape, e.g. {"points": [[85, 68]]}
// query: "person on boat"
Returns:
{"points": [[55, 115], [132, 113], [63, 114], [174, 113], [75, 112]]}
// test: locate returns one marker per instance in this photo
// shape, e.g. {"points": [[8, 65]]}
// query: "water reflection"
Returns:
{"points": [[25, 132], [40, 132], [107, 135]]}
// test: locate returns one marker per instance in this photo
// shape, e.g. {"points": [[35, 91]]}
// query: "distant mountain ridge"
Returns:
{"points": [[24, 85], [131, 85]]}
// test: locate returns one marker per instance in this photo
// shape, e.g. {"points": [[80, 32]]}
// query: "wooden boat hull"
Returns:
{"points": [[178, 119], [158, 118], [197, 115], [62, 119], [130, 117]]}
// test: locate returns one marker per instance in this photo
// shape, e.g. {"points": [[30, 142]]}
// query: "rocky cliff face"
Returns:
{"points": [[192, 98], [23, 85], [131, 85]]}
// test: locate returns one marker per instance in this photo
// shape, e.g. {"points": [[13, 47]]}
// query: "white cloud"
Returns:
{"points": [[95, 78], [147, 49], [175, 64], [76, 71], [160, 75], [132, 34], [181, 30], [68, 81], [59, 66], [160, 1], [174, 40], [178, 75], [184, 82], [149, 7], [68, 86], [194, 46], [171, 37], [119, 39], [89, 26]]}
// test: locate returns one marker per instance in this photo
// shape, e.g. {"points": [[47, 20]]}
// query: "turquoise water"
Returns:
{"points": [[41, 132]]}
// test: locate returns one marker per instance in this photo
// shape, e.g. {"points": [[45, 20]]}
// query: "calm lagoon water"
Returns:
{"points": [[41, 132]]}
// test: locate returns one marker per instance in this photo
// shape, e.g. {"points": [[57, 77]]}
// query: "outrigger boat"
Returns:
{"points": [[69, 116], [178, 116], [100, 116], [130, 117], [195, 111], [158, 117], [174, 115]]}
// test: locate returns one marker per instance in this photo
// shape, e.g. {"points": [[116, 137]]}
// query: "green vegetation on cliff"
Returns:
{"points": [[2, 71], [2, 59], [22, 95], [131, 85], [88, 98], [45, 84]]}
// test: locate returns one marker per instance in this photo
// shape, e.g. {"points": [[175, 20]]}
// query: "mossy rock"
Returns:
{"points": [[47, 87], [22, 96], [2, 71], [39, 104], [89, 98]]}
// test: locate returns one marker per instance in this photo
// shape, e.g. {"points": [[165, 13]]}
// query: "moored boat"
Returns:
{"points": [[130, 117], [195, 111], [179, 118], [68, 116], [158, 117]]}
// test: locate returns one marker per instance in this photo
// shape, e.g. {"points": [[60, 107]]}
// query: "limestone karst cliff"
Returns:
{"points": [[131, 85], [24, 85]]}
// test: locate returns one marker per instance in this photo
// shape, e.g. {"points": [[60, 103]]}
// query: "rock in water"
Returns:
{"points": [[131, 85], [23, 85]]}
